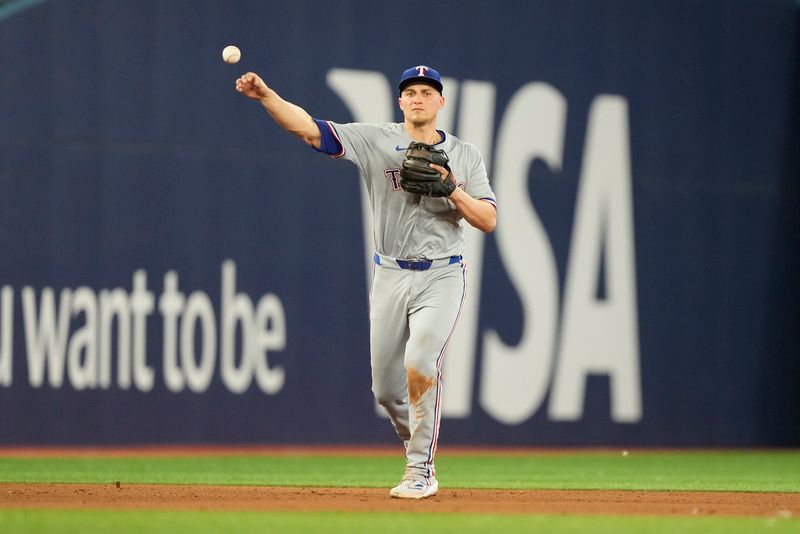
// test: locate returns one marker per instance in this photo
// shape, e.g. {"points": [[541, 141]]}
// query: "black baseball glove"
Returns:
{"points": [[417, 176]]}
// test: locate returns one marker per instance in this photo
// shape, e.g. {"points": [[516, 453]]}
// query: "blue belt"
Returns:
{"points": [[418, 265]]}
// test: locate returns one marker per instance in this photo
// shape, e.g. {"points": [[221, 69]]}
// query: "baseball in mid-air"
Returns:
{"points": [[231, 54]]}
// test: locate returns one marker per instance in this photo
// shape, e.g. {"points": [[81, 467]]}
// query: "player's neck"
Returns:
{"points": [[423, 133]]}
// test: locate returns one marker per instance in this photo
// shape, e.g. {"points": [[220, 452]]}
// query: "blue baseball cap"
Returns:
{"points": [[421, 74]]}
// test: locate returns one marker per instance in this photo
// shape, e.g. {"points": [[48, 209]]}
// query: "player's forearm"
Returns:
{"points": [[291, 118], [477, 213]]}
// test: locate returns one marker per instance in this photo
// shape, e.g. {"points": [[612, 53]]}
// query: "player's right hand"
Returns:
{"points": [[251, 85]]}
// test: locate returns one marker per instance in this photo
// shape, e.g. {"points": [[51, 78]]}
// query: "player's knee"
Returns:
{"points": [[389, 399], [390, 402], [419, 383], [421, 363]]}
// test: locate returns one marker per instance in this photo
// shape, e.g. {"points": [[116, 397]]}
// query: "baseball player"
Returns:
{"points": [[419, 281]]}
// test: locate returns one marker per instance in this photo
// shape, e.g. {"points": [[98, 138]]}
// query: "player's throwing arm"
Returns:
{"points": [[290, 117]]}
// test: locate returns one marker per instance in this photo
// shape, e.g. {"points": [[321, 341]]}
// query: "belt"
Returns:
{"points": [[414, 265]]}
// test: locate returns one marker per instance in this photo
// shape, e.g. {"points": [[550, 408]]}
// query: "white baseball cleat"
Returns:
{"points": [[415, 489]]}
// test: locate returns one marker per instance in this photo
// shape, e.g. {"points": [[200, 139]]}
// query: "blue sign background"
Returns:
{"points": [[124, 147]]}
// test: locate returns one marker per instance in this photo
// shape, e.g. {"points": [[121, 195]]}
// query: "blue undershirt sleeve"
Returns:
{"points": [[328, 143]]}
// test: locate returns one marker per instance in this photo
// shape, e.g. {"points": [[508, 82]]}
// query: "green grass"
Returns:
{"points": [[726, 471], [122, 522], [680, 471], [721, 471]]}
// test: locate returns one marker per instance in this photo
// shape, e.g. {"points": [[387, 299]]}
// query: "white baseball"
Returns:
{"points": [[231, 54]]}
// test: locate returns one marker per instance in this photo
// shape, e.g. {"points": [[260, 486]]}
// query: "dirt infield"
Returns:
{"points": [[450, 500], [256, 498]]}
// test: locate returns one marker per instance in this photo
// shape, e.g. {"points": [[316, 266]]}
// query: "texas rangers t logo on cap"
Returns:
{"points": [[421, 74]]}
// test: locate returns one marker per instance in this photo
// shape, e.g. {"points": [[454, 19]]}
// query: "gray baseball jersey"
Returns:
{"points": [[414, 305], [407, 225]]}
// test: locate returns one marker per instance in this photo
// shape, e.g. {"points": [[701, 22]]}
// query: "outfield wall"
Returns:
{"points": [[176, 269]]}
